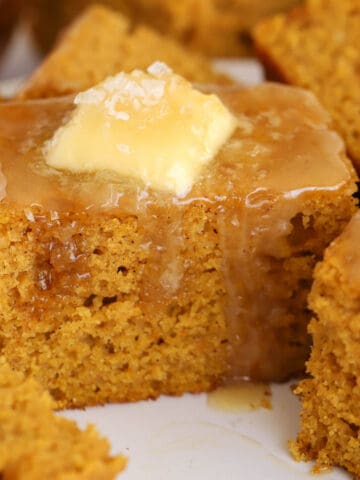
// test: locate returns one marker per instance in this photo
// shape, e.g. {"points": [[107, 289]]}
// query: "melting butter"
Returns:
{"points": [[152, 126]]}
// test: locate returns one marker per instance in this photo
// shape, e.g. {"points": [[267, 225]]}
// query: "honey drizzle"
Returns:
{"points": [[248, 266], [161, 233]]}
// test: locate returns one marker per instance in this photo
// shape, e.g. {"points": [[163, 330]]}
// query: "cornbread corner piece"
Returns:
{"points": [[113, 291], [37, 444], [102, 42], [316, 46], [330, 426]]}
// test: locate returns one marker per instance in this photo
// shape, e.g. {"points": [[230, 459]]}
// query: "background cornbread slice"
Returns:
{"points": [[317, 47], [330, 426], [101, 43], [111, 292], [217, 28], [213, 27], [36, 444]]}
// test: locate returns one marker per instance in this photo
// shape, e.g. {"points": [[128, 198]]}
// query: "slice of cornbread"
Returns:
{"points": [[330, 427], [102, 42], [213, 27], [217, 28], [36, 444], [317, 47], [112, 291]]}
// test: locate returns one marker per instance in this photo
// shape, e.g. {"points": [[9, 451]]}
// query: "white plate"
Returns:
{"points": [[183, 438]]}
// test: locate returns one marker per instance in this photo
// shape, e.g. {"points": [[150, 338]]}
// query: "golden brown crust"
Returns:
{"points": [[101, 43], [37, 444], [302, 49]]}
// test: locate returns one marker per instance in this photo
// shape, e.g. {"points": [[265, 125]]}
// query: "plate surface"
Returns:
{"points": [[183, 438]]}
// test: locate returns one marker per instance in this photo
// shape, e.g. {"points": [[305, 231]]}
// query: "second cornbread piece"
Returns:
{"points": [[317, 47], [113, 291], [331, 397], [36, 444], [213, 27], [101, 43]]}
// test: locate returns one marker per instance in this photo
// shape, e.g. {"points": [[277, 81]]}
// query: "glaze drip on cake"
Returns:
{"points": [[188, 290]]}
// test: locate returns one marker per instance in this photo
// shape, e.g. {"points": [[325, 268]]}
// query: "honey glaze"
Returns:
{"points": [[248, 198], [241, 396]]}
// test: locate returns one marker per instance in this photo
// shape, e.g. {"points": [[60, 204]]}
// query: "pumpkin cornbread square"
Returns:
{"points": [[102, 42], [316, 46], [111, 291], [37, 444], [330, 398]]}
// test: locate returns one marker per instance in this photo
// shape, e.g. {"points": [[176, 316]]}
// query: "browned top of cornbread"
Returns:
{"points": [[317, 47], [282, 160], [102, 42], [218, 28], [36, 444]]}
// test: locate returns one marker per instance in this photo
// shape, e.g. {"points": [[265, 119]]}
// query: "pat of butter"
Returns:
{"points": [[152, 126]]}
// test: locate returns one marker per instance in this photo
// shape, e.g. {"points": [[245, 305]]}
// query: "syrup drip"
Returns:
{"points": [[242, 396]]}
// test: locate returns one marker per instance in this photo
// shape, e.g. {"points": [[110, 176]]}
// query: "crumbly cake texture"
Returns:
{"points": [[37, 444], [102, 42], [95, 344], [317, 47], [330, 422], [96, 315], [213, 27]]}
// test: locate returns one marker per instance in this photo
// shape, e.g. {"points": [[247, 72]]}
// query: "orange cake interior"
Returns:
{"points": [[111, 291]]}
